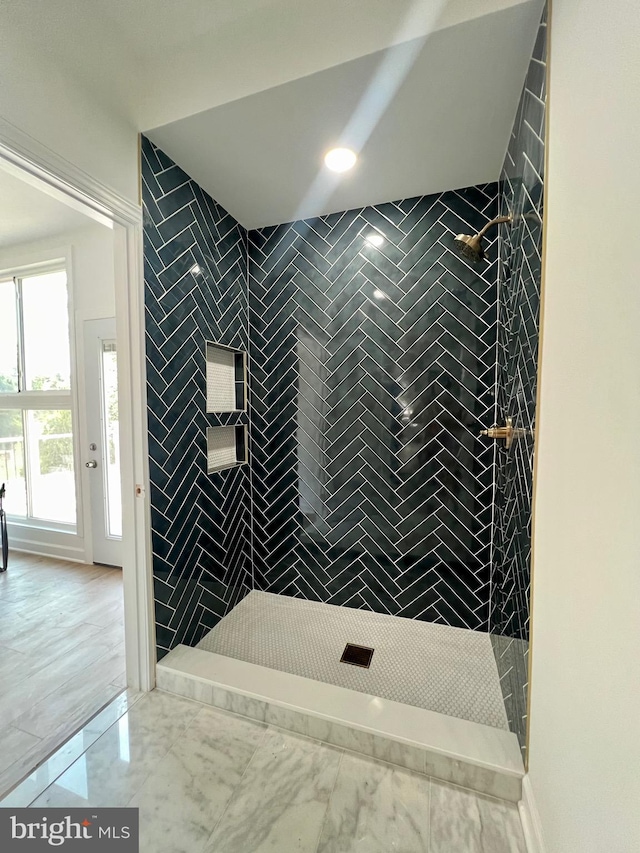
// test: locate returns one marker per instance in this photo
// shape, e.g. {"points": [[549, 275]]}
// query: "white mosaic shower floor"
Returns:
{"points": [[448, 670]]}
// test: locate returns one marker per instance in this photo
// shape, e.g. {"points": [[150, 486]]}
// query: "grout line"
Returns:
{"points": [[259, 745], [430, 813], [329, 798]]}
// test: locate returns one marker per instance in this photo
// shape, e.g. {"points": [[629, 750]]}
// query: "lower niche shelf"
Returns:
{"points": [[226, 447]]}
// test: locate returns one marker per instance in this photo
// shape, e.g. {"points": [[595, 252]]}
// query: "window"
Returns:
{"points": [[36, 431], [111, 437]]}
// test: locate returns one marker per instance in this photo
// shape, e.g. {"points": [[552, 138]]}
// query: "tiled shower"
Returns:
{"points": [[372, 367], [375, 357]]}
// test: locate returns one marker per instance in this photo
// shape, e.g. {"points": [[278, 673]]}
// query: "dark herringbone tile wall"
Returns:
{"points": [[372, 372], [522, 186], [200, 522]]}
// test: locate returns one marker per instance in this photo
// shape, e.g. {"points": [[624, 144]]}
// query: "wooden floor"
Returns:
{"points": [[61, 655]]}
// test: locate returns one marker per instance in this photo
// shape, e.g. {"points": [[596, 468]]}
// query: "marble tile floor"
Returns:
{"points": [[207, 781], [61, 655]]}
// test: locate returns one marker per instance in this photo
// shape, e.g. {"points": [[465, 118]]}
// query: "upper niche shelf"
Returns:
{"points": [[226, 378]]}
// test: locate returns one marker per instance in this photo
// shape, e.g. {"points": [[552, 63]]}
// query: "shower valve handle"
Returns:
{"points": [[508, 432]]}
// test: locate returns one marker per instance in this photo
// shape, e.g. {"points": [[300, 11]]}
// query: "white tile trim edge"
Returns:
{"points": [[530, 819]]}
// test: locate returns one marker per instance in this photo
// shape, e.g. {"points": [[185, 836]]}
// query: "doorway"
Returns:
{"points": [[62, 625], [73, 191]]}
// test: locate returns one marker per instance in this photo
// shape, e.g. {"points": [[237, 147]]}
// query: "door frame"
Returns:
{"points": [[27, 159]]}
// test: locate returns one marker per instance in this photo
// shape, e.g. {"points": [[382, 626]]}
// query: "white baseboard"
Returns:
{"points": [[530, 819], [46, 551], [46, 542]]}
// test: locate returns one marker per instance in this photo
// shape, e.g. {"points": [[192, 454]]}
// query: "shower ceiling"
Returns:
{"points": [[158, 62], [426, 115], [271, 84]]}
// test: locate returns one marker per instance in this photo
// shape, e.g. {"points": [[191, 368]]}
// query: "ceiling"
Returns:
{"points": [[426, 115], [246, 95], [27, 214], [154, 61]]}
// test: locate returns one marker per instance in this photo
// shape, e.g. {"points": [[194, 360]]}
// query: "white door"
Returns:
{"points": [[102, 445]]}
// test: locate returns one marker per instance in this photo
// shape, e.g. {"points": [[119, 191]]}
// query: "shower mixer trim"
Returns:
{"points": [[508, 432]]}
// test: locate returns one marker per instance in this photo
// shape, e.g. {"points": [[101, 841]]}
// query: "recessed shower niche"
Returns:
{"points": [[226, 393], [226, 374], [226, 447]]}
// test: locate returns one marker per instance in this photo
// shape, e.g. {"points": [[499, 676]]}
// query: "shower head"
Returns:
{"points": [[470, 247]]}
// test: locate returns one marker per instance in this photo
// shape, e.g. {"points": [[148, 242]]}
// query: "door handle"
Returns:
{"points": [[91, 464]]}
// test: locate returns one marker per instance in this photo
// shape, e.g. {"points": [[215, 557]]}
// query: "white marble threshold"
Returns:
{"points": [[483, 758], [40, 778]]}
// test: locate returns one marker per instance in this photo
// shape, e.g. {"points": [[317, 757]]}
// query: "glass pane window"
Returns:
{"points": [[50, 465], [111, 438], [45, 319], [8, 337], [12, 462], [36, 434]]}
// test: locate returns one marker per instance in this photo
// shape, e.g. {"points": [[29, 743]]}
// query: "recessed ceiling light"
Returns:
{"points": [[375, 239], [196, 269], [340, 159]]}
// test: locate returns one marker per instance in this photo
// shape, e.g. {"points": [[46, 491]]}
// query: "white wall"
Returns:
{"points": [[92, 296], [60, 113], [585, 693]]}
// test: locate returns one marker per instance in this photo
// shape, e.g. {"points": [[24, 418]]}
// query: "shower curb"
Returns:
{"points": [[472, 755]]}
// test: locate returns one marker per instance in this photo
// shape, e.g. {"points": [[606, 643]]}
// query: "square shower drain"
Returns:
{"points": [[357, 655]]}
